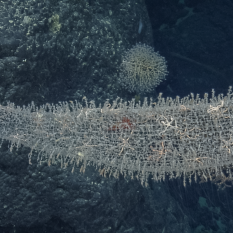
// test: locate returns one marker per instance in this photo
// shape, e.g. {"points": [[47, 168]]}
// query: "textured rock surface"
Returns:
{"points": [[58, 50]]}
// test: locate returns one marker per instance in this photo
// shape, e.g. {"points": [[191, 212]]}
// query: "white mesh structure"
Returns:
{"points": [[170, 138]]}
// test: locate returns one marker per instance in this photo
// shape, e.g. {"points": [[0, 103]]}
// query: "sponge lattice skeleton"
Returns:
{"points": [[186, 137]]}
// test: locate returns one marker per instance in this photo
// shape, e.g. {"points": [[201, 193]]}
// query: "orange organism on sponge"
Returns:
{"points": [[125, 123]]}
